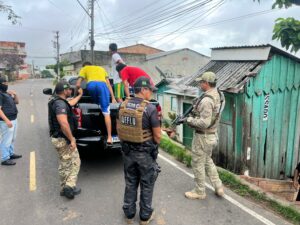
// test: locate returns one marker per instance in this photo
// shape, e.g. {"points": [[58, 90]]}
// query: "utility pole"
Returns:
{"points": [[33, 72], [92, 30], [56, 46]]}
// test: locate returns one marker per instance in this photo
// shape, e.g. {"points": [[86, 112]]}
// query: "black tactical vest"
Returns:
{"points": [[55, 130]]}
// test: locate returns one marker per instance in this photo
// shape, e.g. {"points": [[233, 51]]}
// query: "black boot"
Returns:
{"points": [[68, 192]]}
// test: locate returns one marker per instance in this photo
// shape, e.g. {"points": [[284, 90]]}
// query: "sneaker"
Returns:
{"points": [[194, 195], [15, 156], [76, 191], [145, 222], [68, 192], [8, 162], [219, 191]]}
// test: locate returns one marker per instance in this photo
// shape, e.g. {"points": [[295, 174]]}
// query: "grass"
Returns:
{"points": [[181, 154], [230, 181]]}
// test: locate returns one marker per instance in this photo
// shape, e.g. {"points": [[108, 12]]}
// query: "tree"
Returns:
{"points": [[287, 31], [11, 62], [46, 74], [61, 66], [11, 15]]}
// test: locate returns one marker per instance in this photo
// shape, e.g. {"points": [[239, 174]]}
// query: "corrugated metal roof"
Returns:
{"points": [[231, 75]]}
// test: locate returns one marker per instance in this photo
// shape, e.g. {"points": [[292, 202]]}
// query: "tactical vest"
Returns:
{"points": [[130, 126], [55, 130], [216, 111]]}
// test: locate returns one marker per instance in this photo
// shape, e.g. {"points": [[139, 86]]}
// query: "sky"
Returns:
{"points": [[164, 24]]}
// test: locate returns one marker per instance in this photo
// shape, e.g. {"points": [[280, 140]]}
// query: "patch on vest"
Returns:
{"points": [[128, 121]]}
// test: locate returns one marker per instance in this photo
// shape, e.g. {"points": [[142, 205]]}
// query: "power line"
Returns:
{"points": [[83, 8]]}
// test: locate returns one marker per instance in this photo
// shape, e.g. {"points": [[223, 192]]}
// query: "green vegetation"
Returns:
{"points": [[181, 154], [230, 181], [11, 15], [287, 30]]}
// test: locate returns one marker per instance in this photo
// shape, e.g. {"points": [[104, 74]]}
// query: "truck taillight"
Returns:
{"points": [[78, 114]]}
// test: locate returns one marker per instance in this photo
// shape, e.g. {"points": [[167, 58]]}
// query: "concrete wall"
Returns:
{"points": [[182, 63]]}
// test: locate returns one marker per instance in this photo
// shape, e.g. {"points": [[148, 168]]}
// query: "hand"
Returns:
{"points": [[189, 119], [9, 124], [12, 93], [114, 100], [73, 144], [80, 91]]}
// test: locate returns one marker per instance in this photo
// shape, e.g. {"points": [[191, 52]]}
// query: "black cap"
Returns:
{"points": [[2, 80], [61, 86], [120, 66], [144, 82]]}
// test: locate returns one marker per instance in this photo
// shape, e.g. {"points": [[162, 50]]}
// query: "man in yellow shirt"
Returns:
{"points": [[99, 88]]}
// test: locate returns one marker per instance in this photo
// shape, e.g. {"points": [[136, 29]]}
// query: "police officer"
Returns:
{"points": [[205, 119], [139, 130], [62, 124]]}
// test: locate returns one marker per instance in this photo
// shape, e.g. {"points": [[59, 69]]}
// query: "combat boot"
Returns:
{"points": [[145, 222], [68, 192], [194, 195], [76, 191], [219, 192]]}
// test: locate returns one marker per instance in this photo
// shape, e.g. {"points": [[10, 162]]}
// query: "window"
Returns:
{"points": [[174, 104], [160, 99]]}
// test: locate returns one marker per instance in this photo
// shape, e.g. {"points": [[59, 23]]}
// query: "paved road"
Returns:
{"points": [[101, 180]]}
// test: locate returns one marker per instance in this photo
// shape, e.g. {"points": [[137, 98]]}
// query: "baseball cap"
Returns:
{"points": [[144, 82], [61, 86], [2, 80], [208, 77]]}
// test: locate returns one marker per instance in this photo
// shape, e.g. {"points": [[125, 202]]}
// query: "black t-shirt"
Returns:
{"points": [[59, 107], [8, 106]]}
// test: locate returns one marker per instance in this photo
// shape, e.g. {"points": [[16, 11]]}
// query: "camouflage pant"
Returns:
{"points": [[202, 162], [69, 162]]}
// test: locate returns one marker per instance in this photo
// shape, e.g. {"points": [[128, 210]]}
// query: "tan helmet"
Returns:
{"points": [[208, 77]]}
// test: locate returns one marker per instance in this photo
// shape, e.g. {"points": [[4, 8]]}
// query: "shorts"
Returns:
{"points": [[119, 90], [100, 94]]}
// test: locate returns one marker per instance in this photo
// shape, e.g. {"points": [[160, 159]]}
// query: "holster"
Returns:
{"points": [[125, 148], [154, 151]]}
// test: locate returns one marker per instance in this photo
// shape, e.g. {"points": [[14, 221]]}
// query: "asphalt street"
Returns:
{"points": [[29, 191]]}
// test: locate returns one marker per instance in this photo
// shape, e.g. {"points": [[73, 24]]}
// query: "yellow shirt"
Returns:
{"points": [[93, 73]]}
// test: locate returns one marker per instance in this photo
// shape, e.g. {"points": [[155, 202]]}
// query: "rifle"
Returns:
{"points": [[180, 119]]}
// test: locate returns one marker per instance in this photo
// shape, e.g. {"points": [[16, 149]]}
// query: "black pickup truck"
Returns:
{"points": [[91, 132]]}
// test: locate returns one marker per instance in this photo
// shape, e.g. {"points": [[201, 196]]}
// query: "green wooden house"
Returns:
{"points": [[260, 125]]}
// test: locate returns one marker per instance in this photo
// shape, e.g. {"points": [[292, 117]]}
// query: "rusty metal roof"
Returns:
{"points": [[231, 75]]}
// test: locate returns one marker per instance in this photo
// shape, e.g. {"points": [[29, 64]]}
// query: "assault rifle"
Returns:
{"points": [[180, 119]]}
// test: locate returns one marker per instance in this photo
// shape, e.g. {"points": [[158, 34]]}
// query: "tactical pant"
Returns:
{"points": [[139, 169], [202, 147], [69, 162]]}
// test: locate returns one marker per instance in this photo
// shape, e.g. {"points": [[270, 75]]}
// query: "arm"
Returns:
{"points": [[205, 109], [14, 96], [126, 88], [5, 119], [156, 134], [296, 176], [79, 80], [65, 127], [74, 101], [113, 99]]}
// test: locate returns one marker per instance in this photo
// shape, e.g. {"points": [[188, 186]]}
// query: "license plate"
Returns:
{"points": [[115, 139]]}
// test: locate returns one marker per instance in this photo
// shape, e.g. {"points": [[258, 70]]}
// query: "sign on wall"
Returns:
{"points": [[266, 107]]}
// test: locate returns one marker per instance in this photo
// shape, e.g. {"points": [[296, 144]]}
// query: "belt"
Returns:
{"points": [[203, 132]]}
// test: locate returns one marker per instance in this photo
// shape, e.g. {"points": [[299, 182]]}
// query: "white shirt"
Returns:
{"points": [[114, 73]]}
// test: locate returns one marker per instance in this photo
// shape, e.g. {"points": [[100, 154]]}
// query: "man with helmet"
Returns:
{"points": [[139, 130], [205, 119]]}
